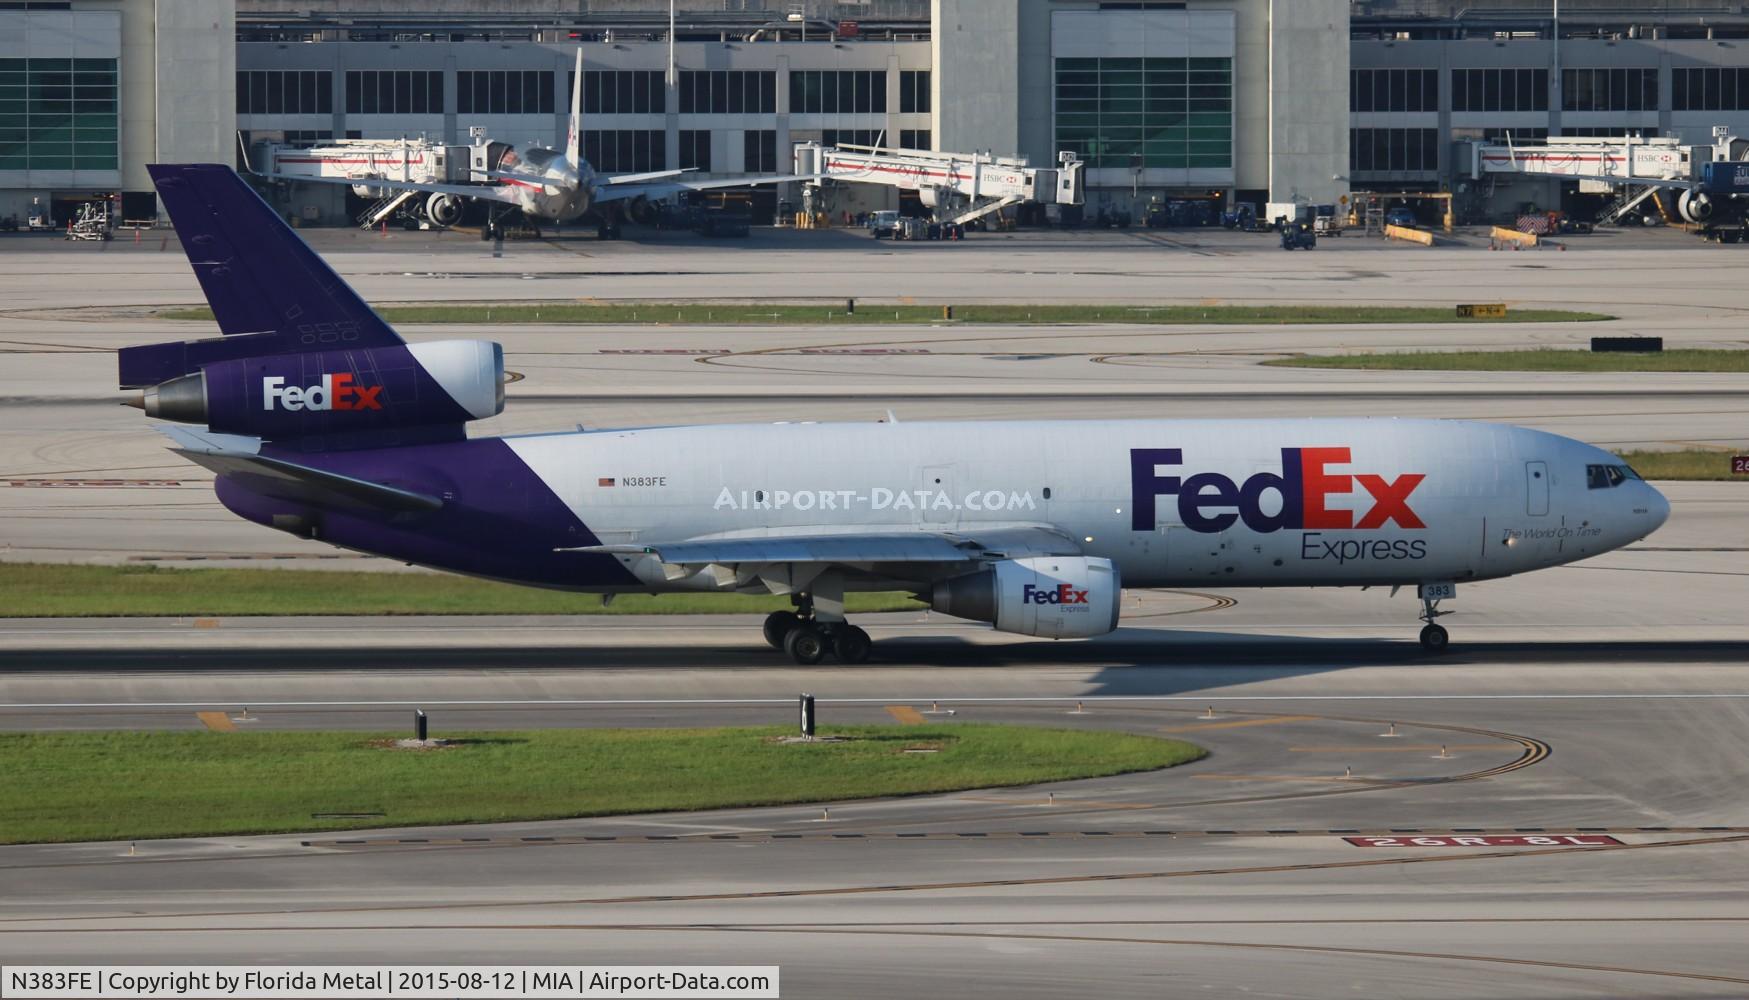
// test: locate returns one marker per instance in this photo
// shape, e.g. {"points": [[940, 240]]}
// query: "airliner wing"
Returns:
{"points": [[877, 545], [654, 175], [485, 192], [621, 188]]}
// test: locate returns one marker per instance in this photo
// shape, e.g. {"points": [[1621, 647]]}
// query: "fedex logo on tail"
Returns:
{"points": [[335, 392], [1309, 479], [1062, 593]]}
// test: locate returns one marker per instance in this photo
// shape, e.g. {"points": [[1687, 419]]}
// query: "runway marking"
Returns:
{"points": [[218, 722], [869, 890], [1398, 748], [1357, 779], [906, 714], [342, 843], [1239, 724]]}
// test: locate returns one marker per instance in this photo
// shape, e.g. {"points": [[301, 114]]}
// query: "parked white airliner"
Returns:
{"points": [[556, 185]]}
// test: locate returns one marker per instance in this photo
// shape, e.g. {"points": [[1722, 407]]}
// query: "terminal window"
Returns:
{"points": [[621, 92], [914, 138], [390, 92], [728, 92], [1393, 90], [58, 114], [914, 92], [1499, 90], [695, 149], [759, 147], [501, 92], [1172, 113], [288, 92], [1393, 150], [838, 92], [1609, 90], [1712, 88], [636, 151]]}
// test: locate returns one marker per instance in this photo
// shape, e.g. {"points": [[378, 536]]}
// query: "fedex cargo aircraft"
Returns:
{"points": [[322, 422]]}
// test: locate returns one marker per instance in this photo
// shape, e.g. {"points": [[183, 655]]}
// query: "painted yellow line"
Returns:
{"points": [[1271, 721], [218, 722], [905, 714], [1419, 748]]}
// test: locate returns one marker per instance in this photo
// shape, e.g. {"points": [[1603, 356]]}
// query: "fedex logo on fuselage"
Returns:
{"points": [[335, 392], [1062, 593], [1210, 502]]}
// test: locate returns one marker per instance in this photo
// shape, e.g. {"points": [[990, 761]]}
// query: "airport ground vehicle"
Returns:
{"points": [[1298, 236], [1401, 216], [883, 224], [320, 421]]}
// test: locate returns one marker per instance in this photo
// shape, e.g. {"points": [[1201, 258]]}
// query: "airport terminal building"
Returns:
{"points": [[1258, 100]]}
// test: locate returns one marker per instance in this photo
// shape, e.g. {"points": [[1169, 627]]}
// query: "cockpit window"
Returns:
{"points": [[1607, 477]]}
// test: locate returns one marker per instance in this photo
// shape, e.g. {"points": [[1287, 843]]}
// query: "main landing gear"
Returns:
{"points": [[1434, 637], [808, 640]]}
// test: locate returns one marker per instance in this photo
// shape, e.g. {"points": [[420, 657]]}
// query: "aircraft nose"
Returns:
{"points": [[1657, 509]]}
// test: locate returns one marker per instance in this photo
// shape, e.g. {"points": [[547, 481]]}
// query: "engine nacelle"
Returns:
{"points": [[338, 392], [1060, 597], [641, 211], [1695, 206], [443, 210]]}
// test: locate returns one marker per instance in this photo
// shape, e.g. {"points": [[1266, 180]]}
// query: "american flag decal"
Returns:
{"points": [[604, 481]]}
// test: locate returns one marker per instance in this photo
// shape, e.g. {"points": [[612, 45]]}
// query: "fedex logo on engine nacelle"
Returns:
{"points": [[1062, 593], [1210, 502], [334, 392]]}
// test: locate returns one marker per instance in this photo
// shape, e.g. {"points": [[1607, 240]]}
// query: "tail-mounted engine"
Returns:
{"points": [[1054, 596], [445, 383]]}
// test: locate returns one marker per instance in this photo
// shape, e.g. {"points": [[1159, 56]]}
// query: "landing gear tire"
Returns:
{"points": [[1434, 638], [851, 644], [778, 626], [805, 644]]}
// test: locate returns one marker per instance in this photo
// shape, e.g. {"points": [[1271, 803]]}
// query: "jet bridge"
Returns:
{"points": [[1701, 178], [959, 187]]}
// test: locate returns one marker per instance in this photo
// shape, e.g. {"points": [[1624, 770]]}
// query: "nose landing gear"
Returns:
{"points": [[1434, 638]]}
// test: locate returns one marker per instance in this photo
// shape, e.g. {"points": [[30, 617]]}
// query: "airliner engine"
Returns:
{"points": [[444, 383], [443, 210], [1060, 597]]}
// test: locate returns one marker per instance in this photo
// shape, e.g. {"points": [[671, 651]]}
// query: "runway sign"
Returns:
{"points": [[1482, 310], [1514, 840], [1740, 465]]}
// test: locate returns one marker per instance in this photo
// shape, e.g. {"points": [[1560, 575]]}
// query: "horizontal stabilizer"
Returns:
{"points": [[276, 477]]}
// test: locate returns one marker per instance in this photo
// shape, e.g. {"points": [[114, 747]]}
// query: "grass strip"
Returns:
{"points": [[50, 590], [1553, 359], [1695, 465], [833, 313], [134, 786]]}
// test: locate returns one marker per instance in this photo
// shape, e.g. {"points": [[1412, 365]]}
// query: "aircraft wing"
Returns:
{"points": [[654, 175], [619, 189], [485, 192], [276, 477], [876, 545]]}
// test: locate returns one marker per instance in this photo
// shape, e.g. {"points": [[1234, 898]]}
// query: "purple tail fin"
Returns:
{"points": [[259, 276]]}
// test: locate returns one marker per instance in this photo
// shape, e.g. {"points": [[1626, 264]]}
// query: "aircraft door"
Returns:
{"points": [[1536, 479], [937, 496]]}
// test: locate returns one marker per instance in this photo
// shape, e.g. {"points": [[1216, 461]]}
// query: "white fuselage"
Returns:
{"points": [[1360, 501]]}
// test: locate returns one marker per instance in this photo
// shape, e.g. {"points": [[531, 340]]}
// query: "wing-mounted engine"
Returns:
{"points": [[274, 397], [1059, 597], [443, 210]]}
